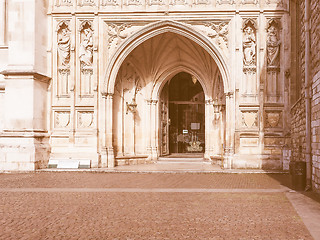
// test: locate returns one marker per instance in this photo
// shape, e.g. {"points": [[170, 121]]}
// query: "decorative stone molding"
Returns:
{"points": [[198, 2], [220, 32], [115, 32], [231, 2], [86, 3], [279, 3], [250, 2], [250, 119], [178, 2], [273, 118], [132, 2], [110, 2], [64, 3], [61, 119], [85, 119], [156, 2]]}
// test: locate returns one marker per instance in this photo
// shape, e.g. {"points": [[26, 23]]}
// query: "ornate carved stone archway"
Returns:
{"points": [[153, 30], [179, 32]]}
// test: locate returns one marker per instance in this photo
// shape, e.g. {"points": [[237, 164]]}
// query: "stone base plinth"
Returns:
{"points": [[25, 151]]}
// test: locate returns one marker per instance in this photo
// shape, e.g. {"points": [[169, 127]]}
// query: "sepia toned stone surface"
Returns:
{"points": [[87, 80]]}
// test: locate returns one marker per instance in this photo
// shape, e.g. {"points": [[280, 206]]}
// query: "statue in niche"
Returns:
{"points": [[86, 48], [249, 46], [273, 47], [64, 46]]}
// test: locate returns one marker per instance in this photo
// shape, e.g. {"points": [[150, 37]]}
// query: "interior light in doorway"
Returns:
{"points": [[194, 80]]}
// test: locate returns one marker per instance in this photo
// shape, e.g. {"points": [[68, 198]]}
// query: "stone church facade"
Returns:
{"points": [[93, 80]]}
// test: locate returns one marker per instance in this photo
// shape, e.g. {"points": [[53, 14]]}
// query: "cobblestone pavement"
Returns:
{"points": [[143, 180], [71, 214]]}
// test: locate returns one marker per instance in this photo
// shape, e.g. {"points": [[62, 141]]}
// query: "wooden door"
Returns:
{"points": [[164, 121]]}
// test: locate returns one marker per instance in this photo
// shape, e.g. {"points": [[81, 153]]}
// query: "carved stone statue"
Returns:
{"points": [[273, 47], [86, 48], [64, 46], [249, 46]]}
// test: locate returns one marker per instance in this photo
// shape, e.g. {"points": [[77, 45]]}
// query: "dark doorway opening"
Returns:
{"points": [[186, 114]]}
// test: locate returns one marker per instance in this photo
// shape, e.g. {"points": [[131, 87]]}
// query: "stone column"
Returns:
{"points": [[209, 136], [102, 130], [148, 127], [25, 140], [154, 130], [230, 117], [109, 127], [3, 27]]}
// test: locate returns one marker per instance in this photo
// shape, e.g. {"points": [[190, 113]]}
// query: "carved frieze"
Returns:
{"points": [[85, 119], [116, 32], [156, 2], [250, 2], [110, 2], [220, 30], [179, 2], [279, 3], [132, 2], [220, 2], [61, 119], [64, 3], [250, 119], [86, 3], [198, 2], [273, 119]]}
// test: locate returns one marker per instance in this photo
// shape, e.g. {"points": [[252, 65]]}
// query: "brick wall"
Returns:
{"points": [[315, 37], [315, 100], [315, 129], [298, 131], [298, 116]]}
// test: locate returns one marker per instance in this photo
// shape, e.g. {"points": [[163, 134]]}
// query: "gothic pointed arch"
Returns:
{"points": [[153, 30]]}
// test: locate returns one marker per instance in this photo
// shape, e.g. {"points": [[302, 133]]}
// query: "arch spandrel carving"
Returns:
{"points": [[154, 29]]}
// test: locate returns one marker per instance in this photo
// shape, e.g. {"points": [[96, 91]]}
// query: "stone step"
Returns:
{"points": [[182, 160], [177, 159]]}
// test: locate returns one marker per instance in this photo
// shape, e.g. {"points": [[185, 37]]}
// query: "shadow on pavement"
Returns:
{"points": [[286, 181]]}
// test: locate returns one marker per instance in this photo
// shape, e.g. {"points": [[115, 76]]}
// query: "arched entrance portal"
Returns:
{"points": [[141, 100], [182, 116]]}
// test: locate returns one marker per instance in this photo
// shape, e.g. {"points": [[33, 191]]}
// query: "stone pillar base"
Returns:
{"points": [[24, 151]]}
